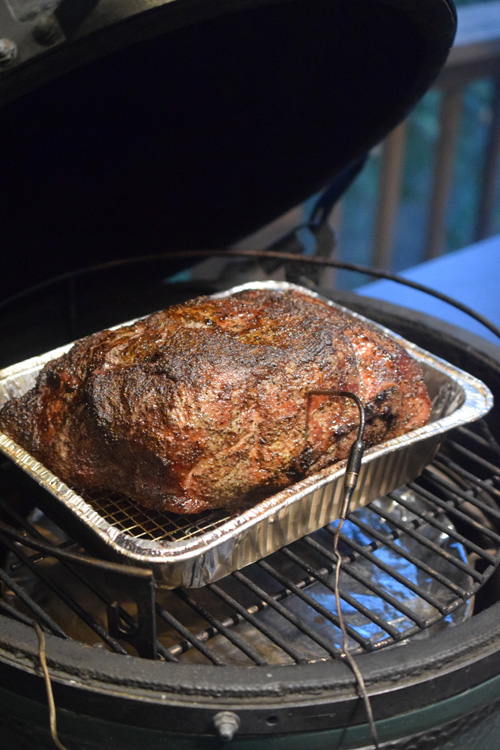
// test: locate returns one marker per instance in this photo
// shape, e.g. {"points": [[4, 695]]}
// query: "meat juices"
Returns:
{"points": [[207, 404]]}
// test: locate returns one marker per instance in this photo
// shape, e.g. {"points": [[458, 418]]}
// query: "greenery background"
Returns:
{"points": [[358, 207]]}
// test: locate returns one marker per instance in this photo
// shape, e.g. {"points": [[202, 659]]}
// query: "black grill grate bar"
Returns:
{"points": [[45, 550], [478, 459], [165, 653], [439, 551], [190, 640], [245, 615], [269, 632], [483, 486], [221, 628], [38, 613], [327, 614], [58, 553], [385, 595], [39, 556], [420, 564], [479, 433], [15, 614], [456, 498], [323, 578], [21, 522], [470, 472], [430, 518], [290, 617], [68, 600], [390, 570]]}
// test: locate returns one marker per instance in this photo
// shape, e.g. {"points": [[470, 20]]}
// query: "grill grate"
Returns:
{"points": [[413, 561]]}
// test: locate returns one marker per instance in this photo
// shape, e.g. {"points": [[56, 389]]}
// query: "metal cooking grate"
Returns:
{"points": [[412, 562]]}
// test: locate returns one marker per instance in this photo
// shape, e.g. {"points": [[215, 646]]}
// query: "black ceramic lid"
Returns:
{"points": [[151, 126]]}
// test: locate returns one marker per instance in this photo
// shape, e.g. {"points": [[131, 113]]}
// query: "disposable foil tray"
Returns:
{"points": [[193, 550]]}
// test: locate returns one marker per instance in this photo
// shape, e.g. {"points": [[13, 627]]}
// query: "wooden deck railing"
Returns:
{"points": [[475, 56]]}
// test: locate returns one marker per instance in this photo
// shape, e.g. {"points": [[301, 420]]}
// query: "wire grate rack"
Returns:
{"points": [[142, 523], [413, 561]]}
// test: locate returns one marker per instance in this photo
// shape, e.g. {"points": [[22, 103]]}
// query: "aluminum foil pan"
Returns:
{"points": [[194, 550]]}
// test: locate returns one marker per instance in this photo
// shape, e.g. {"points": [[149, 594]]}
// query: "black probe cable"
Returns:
{"points": [[352, 470]]}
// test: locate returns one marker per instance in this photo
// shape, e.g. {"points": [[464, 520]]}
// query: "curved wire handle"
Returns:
{"points": [[257, 254]]}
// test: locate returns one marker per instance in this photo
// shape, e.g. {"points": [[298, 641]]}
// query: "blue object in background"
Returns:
{"points": [[470, 275]]}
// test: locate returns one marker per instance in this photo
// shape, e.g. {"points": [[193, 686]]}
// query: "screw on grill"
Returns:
{"points": [[226, 724], [8, 51]]}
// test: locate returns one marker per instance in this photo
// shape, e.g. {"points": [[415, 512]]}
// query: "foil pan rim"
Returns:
{"points": [[477, 401]]}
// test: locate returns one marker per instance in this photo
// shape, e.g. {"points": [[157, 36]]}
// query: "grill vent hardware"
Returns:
{"points": [[412, 562]]}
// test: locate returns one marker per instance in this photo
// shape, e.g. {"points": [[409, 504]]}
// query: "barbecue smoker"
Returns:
{"points": [[132, 135]]}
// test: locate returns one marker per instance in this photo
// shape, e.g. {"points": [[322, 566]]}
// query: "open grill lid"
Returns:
{"points": [[138, 127]]}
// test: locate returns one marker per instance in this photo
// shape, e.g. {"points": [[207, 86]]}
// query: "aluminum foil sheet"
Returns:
{"points": [[194, 550]]}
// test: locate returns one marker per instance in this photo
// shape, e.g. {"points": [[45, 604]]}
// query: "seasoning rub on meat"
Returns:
{"points": [[207, 404]]}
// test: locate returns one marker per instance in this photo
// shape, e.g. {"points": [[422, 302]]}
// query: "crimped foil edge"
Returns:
{"points": [[298, 510]]}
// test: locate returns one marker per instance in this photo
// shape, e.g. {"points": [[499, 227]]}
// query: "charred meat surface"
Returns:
{"points": [[207, 404]]}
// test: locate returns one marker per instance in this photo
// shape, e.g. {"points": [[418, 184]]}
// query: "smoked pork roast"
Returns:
{"points": [[207, 403]]}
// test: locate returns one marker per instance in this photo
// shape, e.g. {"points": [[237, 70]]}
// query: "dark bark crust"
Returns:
{"points": [[207, 404]]}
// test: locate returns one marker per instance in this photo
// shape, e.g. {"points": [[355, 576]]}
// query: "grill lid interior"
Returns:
{"points": [[173, 125]]}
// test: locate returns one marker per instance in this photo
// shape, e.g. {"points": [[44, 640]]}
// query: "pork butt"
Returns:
{"points": [[208, 404]]}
